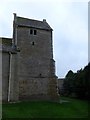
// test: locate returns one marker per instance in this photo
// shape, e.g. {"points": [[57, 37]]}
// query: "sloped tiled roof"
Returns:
{"points": [[33, 23]]}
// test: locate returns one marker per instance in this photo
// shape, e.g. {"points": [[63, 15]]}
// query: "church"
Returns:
{"points": [[28, 67]]}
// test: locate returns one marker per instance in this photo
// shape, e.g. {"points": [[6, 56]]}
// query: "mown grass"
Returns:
{"points": [[72, 109]]}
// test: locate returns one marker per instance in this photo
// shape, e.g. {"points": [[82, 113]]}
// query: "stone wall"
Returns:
{"points": [[34, 63], [60, 85], [0, 76], [5, 75], [13, 81], [5, 48], [33, 88]]}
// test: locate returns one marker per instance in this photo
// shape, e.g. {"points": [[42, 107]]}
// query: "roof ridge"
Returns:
{"points": [[29, 19]]}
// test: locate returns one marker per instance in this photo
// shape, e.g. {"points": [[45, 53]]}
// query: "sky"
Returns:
{"points": [[69, 20]]}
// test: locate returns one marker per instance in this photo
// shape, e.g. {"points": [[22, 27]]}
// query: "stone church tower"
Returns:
{"points": [[32, 68]]}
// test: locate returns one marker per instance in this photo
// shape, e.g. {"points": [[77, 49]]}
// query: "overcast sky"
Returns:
{"points": [[69, 20]]}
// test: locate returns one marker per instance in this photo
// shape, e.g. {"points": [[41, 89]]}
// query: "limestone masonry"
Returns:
{"points": [[28, 68]]}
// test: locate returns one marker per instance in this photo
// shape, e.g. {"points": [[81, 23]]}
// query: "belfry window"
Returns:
{"points": [[35, 32], [31, 31]]}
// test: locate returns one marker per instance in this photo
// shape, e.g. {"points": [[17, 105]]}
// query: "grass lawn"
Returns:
{"points": [[72, 109]]}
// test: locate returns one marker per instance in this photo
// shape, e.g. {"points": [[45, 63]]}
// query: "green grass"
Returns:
{"points": [[72, 109]]}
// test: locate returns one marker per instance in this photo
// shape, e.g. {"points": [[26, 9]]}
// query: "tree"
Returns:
{"points": [[78, 84], [68, 83]]}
